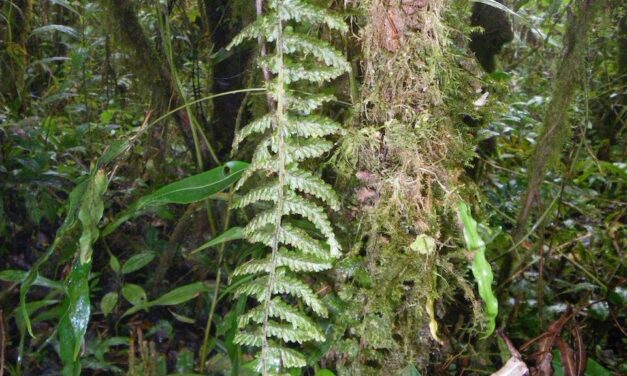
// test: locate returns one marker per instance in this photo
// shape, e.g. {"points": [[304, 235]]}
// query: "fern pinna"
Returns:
{"points": [[291, 133]]}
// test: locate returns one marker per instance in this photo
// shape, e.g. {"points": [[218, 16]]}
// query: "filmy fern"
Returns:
{"points": [[290, 134]]}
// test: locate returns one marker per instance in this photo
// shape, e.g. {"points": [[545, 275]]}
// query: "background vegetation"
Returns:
{"points": [[313, 187]]}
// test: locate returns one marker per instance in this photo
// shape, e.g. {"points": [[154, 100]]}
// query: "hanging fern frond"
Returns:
{"points": [[290, 134]]}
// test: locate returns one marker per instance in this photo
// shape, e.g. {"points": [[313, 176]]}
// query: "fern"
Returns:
{"points": [[290, 134]]}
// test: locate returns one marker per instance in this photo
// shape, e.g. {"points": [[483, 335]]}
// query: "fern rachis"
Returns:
{"points": [[291, 134]]}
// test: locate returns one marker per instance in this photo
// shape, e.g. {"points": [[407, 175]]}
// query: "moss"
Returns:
{"points": [[407, 153]]}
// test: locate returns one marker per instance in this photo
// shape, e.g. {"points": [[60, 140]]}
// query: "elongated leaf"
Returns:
{"points": [[186, 191], [19, 275], [76, 305], [198, 187], [137, 262], [181, 294], [60, 28], [177, 296], [234, 233], [70, 222]]}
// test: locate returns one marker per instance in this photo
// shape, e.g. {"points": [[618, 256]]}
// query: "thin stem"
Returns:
{"points": [[214, 300]]}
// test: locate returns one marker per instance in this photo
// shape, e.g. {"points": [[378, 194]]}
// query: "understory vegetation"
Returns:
{"points": [[313, 187]]}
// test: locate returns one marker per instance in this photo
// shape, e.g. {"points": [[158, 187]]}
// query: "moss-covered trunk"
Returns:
{"points": [[556, 128], [408, 152]]}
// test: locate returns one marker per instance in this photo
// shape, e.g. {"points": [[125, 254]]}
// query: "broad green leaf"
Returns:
{"points": [[234, 233], [108, 302], [73, 325], [186, 191], [135, 294], [198, 187], [137, 262]]}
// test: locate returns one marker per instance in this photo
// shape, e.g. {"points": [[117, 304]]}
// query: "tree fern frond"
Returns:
{"points": [[295, 204], [278, 309], [289, 358], [266, 27], [292, 236], [260, 221], [288, 333], [304, 105], [312, 126], [299, 150], [294, 71], [300, 239], [265, 193], [248, 339], [306, 182], [301, 263], [291, 134], [301, 11], [258, 126], [292, 43], [254, 267], [292, 286]]}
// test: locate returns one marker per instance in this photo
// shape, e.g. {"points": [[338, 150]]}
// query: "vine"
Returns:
{"points": [[291, 134]]}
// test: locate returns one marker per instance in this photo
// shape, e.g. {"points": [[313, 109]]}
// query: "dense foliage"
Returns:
{"points": [[313, 187]]}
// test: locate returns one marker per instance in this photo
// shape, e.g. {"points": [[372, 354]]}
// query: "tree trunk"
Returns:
{"points": [[151, 68]]}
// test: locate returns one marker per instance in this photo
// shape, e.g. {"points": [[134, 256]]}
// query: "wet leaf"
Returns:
{"points": [[75, 318]]}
